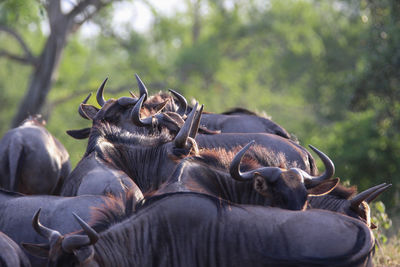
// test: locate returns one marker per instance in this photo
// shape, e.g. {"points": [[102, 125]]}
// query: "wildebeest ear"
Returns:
{"points": [[38, 250], [260, 185], [84, 254], [89, 110], [323, 188], [79, 134]]}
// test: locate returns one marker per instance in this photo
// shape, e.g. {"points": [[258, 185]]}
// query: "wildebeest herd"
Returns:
{"points": [[162, 184]]}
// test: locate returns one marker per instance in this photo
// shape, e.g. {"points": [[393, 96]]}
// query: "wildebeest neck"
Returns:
{"points": [[194, 176], [144, 158]]}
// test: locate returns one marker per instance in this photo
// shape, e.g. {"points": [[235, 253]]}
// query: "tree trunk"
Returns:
{"points": [[43, 74]]}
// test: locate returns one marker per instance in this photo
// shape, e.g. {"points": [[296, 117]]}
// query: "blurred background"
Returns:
{"points": [[327, 71]]}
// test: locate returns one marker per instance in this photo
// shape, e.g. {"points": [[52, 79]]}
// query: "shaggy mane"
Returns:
{"points": [[153, 101], [256, 157], [114, 210], [107, 132], [344, 192]]}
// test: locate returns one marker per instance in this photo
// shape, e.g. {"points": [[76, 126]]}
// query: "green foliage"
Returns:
{"points": [[381, 219], [23, 12]]}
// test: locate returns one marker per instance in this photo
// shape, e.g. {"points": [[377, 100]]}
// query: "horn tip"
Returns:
{"points": [[37, 213], [105, 80], [252, 142]]}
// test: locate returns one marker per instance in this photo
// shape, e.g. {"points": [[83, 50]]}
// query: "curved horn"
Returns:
{"points": [[196, 123], [182, 102], [356, 201], [42, 230], [377, 193], [72, 242], [80, 110], [234, 168], [99, 96], [312, 181], [91, 233], [142, 88], [135, 114], [183, 134]]}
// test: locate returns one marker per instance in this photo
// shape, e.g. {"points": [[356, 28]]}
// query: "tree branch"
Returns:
{"points": [[28, 57], [14, 57], [79, 8], [80, 13], [53, 9], [87, 16], [83, 93]]}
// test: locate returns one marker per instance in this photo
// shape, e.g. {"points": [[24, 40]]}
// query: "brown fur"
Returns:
{"points": [[344, 192], [114, 210], [256, 157], [152, 103], [36, 119]]}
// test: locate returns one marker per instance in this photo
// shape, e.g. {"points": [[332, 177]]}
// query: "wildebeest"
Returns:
{"points": [[267, 186], [150, 159], [342, 200], [190, 229], [32, 161], [293, 152], [122, 113], [94, 175], [230, 122], [11, 254], [147, 159], [16, 211], [237, 120]]}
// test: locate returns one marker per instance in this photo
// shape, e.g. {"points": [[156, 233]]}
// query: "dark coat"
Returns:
{"points": [[32, 161], [188, 229], [11, 254], [17, 210]]}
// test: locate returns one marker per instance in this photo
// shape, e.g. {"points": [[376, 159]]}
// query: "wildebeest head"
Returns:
{"points": [[356, 206], [287, 188], [147, 159], [125, 112], [68, 250]]}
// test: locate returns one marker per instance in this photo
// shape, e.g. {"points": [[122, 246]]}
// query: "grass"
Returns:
{"points": [[388, 254]]}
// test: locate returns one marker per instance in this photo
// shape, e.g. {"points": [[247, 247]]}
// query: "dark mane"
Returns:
{"points": [[256, 157], [344, 192], [238, 110], [221, 158], [153, 101], [113, 211], [106, 132]]}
